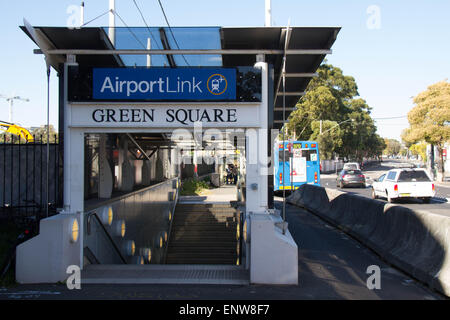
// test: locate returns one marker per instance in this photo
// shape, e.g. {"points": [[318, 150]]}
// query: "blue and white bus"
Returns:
{"points": [[302, 164]]}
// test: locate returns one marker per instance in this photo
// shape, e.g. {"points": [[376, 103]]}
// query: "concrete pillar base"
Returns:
{"points": [[273, 255], [45, 258]]}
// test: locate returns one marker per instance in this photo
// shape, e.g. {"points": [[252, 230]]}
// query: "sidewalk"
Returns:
{"points": [[225, 193]]}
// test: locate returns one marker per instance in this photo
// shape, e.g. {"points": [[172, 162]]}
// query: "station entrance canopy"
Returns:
{"points": [[136, 87], [226, 47]]}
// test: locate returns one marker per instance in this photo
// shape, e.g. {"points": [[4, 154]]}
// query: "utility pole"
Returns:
{"points": [[82, 14], [11, 103], [268, 15]]}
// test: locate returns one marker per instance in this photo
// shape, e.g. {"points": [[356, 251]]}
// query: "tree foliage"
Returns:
{"points": [[330, 140], [393, 147], [41, 134], [332, 97], [429, 119], [419, 149]]}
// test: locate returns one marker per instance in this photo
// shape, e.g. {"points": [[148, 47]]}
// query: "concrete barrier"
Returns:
{"points": [[417, 242]]}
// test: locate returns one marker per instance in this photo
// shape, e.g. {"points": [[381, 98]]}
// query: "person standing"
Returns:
{"points": [[234, 170]]}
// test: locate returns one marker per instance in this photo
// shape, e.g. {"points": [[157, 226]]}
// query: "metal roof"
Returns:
{"points": [[304, 48]]}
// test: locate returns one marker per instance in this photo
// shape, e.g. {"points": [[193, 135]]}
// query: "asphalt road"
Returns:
{"points": [[440, 204], [332, 266]]}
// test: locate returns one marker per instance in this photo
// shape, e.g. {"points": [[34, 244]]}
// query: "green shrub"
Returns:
{"points": [[193, 187]]}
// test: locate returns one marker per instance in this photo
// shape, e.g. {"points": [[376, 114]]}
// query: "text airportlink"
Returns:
{"points": [[144, 86]]}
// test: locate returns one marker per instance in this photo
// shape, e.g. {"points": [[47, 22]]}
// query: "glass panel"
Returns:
{"points": [[183, 38]]}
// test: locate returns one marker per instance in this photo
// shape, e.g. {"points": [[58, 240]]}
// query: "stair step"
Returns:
{"points": [[206, 262], [190, 243], [209, 215], [203, 258], [203, 229], [203, 234], [202, 239], [204, 205], [177, 225], [217, 220]]}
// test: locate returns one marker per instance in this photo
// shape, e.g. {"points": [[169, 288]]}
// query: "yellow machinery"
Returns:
{"points": [[17, 130]]}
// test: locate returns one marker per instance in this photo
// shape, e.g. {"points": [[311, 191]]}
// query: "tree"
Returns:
{"points": [[317, 104], [41, 134], [428, 120], [331, 96], [419, 149], [330, 140], [393, 147]]}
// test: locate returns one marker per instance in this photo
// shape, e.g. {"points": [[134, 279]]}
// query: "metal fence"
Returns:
{"points": [[23, 175]]}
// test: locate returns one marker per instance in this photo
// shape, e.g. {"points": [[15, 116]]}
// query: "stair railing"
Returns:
{"points": [[94, 215]]}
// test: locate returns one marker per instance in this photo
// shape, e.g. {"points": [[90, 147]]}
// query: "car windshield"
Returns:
{"points": [[413, 176], [353, 172], [351, 166]]}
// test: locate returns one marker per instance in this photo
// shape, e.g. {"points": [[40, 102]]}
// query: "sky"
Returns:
{"points": [[393, 48]]}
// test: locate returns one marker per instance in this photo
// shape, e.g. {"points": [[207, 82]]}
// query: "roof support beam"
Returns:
{"points": [[301, 75], [287, 38], [187, 52], [286, 109], [290, 93], [166, 45]]}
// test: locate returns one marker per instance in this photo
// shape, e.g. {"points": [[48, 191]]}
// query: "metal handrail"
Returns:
{"points": [[171, 222], [240, 215], [89, 215]]}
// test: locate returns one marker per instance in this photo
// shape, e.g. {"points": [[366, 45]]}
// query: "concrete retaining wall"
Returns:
{"points": [[417, 242]]}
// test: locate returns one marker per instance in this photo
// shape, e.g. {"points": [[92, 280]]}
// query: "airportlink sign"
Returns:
{"points": [[200, 84]]}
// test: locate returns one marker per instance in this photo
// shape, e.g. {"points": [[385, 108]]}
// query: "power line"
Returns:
{"points": [[170, 29], [145, 22], [98, 17], [129, 29], [389, 118]]}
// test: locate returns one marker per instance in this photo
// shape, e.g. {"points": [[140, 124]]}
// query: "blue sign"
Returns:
{"points": [[164, 84]]}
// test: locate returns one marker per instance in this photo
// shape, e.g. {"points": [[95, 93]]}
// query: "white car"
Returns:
{"points": [[404, 183]]}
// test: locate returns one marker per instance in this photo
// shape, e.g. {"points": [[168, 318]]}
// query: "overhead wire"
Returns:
{"points": [[129, 29], [146, 24], [98, 17], [171, 32]]}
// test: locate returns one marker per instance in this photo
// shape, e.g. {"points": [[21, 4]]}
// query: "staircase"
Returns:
{"points": [[204, 234]]}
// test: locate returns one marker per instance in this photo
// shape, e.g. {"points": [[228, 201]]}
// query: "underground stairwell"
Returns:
{"points": [[204, 234]]}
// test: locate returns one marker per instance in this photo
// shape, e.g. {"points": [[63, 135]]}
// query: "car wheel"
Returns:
{"points": [[374, 195], [426, 199]]}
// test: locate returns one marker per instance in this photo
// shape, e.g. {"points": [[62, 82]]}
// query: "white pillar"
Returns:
{"points": [[256, 155], [112, 22], [82, 14], [105, 180], [149, 57]]}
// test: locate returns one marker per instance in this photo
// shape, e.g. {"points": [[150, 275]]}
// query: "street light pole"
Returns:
{"points": [[11, 103]]}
